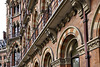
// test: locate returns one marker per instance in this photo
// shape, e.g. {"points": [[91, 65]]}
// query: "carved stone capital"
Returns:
{"points": [[67, 60]]}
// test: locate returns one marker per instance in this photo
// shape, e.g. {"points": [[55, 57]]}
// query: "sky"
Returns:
{"points": [[2, 17]]}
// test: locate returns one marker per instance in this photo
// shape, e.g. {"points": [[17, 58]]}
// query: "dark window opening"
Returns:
{"points": [[4, 57], [36, 64], [18, 9], [4, 64], [74, 56], [14, 10], [0, 57], [0, 65]]}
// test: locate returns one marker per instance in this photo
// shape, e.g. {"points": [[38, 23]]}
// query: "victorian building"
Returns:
{"points": [[53, 33], [3, 55]]}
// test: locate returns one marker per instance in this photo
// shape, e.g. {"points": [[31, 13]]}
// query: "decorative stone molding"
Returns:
{"points": [[35, 52], [61, 62], [51, 34], [80, 50], [92, 44], [58, 62], [79, 5], [67, 18]]}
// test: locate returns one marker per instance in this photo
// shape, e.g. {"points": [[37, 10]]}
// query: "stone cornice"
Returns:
{"points": [[92, 44]]}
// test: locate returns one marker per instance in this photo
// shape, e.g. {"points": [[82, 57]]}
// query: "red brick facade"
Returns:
{"points": [[52, 33]]}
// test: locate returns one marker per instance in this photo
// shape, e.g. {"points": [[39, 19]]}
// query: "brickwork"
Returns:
{"points": [[49, 29]]}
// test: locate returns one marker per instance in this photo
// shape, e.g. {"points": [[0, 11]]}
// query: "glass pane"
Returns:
{"points": [[74, 51], [75, 62]]}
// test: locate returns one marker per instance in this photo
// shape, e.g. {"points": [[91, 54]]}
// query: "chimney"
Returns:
{"points": [[4, 35]]}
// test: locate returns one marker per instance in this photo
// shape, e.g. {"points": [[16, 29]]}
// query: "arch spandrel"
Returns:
{"points": [[95, 25]]}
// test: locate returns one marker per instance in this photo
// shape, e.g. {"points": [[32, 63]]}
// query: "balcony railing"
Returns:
{"points": [[40, 25]]}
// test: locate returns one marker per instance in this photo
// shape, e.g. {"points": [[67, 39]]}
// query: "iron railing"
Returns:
{"points": [[46, 15]]}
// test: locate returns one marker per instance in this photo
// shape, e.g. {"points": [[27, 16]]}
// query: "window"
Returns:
{"points": [[17, 9], [14, 10], [17, 28], [47, 60], [4, 57], [4, 64], [0, 57], [74, 55], [0, 45], [15, 58], [0, 65]]}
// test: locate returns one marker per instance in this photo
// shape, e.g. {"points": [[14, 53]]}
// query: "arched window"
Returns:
{"points": [[72, 52], [74, 55], [17, 28], [17, 54], [35, 19], [47, 60]]}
